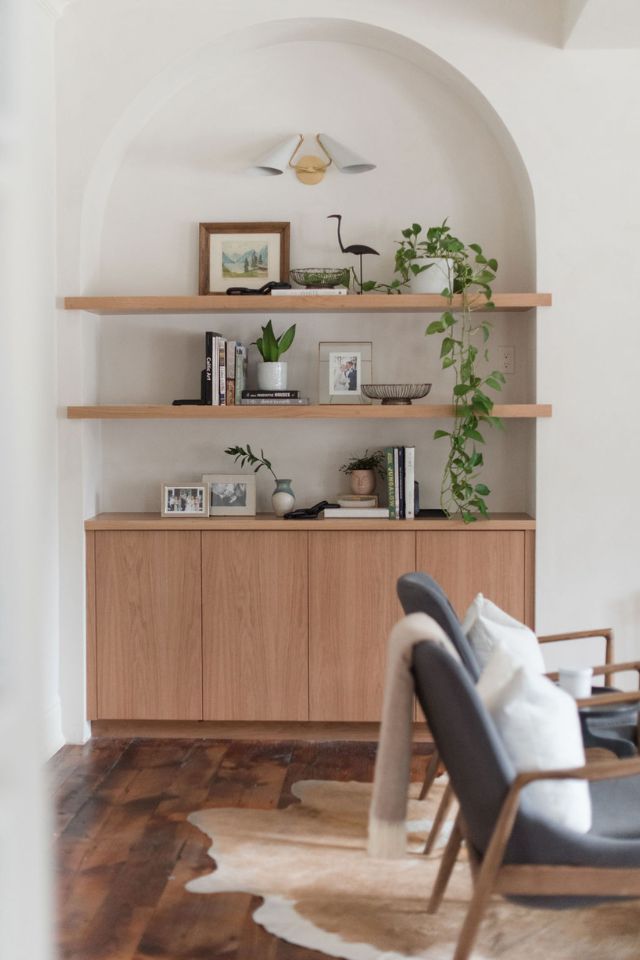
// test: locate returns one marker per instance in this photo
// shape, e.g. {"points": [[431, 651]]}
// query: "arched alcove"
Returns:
{"points": [[179, 155]]}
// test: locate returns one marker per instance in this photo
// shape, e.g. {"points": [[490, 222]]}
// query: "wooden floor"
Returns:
{"points": [[125, 850]]}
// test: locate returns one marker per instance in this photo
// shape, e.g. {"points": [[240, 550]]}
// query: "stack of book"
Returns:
{"points": [[312, 292], [262, 397], [401, 482], [225, 372]]}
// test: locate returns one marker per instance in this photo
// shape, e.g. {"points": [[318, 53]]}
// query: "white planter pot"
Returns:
{"points": [[272, 376], [434, 280]]}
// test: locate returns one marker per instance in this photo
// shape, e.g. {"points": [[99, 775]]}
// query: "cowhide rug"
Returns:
{"points": [[321, 891]]}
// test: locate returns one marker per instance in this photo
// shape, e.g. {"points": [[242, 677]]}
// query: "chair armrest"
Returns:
{"points": [[607, 669], [608, 699], [605, 632], [600, 770]]}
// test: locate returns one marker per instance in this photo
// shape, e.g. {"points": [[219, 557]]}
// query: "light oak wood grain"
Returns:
{"points": [[148, 625], [417, 411], [489, 562], [268, 521], [365, 303], [352, 607], [256, 631], [92, 651], [260, 730]]}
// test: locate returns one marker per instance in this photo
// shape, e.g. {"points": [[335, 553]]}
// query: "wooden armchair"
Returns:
{"points": [[513, 851], [418, 592]]}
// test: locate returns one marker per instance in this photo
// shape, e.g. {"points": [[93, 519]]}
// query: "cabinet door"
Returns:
{"points": [[256, 637], [353, 605], [148, 625], [467, 562]]}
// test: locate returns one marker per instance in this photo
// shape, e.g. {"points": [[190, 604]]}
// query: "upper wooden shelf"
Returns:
{"points": [[153, 521], [367, 303], [417, 411]]}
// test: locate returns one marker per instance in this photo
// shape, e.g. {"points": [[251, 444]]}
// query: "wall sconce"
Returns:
{"points": [[309, 168]]}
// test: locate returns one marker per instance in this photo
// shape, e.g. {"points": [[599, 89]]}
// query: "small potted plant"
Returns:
{"points": [[272, 372], [428, 263], [283, 497], [362, 471]]}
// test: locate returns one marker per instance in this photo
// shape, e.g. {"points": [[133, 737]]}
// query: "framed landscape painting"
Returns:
{"points": [[242, 255]]}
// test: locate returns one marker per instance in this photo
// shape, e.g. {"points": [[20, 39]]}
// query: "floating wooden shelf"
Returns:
{"points": [[267, 521], [416, 411], [367, 303]]}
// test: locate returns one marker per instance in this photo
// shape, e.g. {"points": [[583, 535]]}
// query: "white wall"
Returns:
{"points": [[29, 706], [443, 102]]}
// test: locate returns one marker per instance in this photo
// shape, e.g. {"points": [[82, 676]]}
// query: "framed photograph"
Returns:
{"points": [[231, 494], [188, 500], [242, 255], [342, 368]]}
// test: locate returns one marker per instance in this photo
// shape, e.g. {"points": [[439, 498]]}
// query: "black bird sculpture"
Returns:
{"points": [[356, 248]]}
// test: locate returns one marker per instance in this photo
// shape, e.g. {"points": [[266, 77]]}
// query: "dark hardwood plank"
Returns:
{"points": [[125, 849]]}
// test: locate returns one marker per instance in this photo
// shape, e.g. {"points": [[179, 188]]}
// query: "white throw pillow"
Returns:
{"points": [[539, 726], [485, 623]]}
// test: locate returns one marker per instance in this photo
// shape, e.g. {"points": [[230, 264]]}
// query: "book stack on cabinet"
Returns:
{"points": [[401, 477]]}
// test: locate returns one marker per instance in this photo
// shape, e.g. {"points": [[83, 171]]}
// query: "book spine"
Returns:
{"points": [[208, 367], [401, 476], [239, 379], [409, 481], [396, 488], [391, 493], [312, 292], [222, 371], [231, 373], [303, 401], [270, 394]]}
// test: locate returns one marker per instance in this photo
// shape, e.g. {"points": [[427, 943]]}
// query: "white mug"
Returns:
{"points": [[576, 681]]}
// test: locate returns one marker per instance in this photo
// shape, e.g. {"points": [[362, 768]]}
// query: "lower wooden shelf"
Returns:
{"points": [[417, 411]]}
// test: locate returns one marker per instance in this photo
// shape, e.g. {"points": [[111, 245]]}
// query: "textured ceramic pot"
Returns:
{"points": [[283, 498], [362, 481], [272, 376], [435, 279]]}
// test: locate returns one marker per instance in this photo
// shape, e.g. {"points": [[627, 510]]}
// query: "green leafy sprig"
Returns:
{"points": [[368, 461], [271, 347], [247, 456]]}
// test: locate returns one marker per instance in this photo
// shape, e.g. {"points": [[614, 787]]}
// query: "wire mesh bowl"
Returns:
{"points": [[318, 277], [395, 392]]}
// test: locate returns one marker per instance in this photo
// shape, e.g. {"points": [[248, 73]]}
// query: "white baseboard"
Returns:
{"points": [[53, 736]]}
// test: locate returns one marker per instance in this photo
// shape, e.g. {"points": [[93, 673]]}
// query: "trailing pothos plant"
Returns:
{"points": [[415, 246], [463, 346]]}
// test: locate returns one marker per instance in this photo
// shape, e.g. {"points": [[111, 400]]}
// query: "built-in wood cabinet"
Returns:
{"points": [[258, 619], [255, 625], [352, 607], [148, 625]]}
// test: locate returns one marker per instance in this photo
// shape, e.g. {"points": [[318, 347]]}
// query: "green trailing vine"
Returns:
{"points": [[464, 343]]}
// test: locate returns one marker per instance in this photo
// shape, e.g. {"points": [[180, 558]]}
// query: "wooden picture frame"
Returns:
{"points": [[231, 494], [184, 500], [259, 251]]}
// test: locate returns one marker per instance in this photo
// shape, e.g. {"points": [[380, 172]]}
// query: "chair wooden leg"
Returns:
{"points": [[430, 774], [440, 817], [446, 867]]}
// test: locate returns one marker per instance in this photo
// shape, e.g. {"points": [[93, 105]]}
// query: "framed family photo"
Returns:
{"points": [[242, 255], [188, 500], [231, 494], [343, 367]]}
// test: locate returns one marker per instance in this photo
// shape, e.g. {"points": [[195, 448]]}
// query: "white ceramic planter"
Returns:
{"points": [[272, 376], [435, 279]]}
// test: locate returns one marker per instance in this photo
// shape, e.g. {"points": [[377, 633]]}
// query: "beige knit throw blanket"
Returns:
{"points": [[388, 811]]}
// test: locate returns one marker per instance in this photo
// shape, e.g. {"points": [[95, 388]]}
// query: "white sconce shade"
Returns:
{"points": [[345, 160], [276, 160]]}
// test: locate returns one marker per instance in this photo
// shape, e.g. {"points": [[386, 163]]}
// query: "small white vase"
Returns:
{"points": [[282, 498], [439, 276], [272, 376]]}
